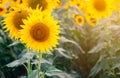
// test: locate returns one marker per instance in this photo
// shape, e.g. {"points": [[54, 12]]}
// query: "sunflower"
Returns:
{"points": [[14, 21], [45, 4], [78, 18], [40, 32], [2, 10], [100, 8], [91, 20]]}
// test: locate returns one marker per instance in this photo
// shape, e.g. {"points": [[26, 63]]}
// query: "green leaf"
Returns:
{"points": [[34, 74], [62, 52], [17, 62], [97, 68], [64, 40], [2, 74], [14, 43], [98, 48], [107, 76], [56, 72], [21, 60]]}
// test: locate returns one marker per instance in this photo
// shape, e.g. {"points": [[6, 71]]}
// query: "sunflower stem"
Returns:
{"points": [[39, 64], [29, 65]]}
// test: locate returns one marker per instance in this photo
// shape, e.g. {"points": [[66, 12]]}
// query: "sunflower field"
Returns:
{"points": [[59, 38]]}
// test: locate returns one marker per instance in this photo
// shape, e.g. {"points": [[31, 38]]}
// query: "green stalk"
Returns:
{"points": [[39, 64], [29, 65]]}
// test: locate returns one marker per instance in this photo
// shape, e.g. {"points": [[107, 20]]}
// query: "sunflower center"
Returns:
{"points": [[17, 20], [1, 9], [42, 3], [99, 5], [79, 20], [39, 32], [78, 4]]}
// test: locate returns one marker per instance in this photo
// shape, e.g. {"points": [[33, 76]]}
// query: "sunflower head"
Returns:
{"points": [[100, 8], [40, 32], [79, 20], [92, 20], [14, 20]]}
